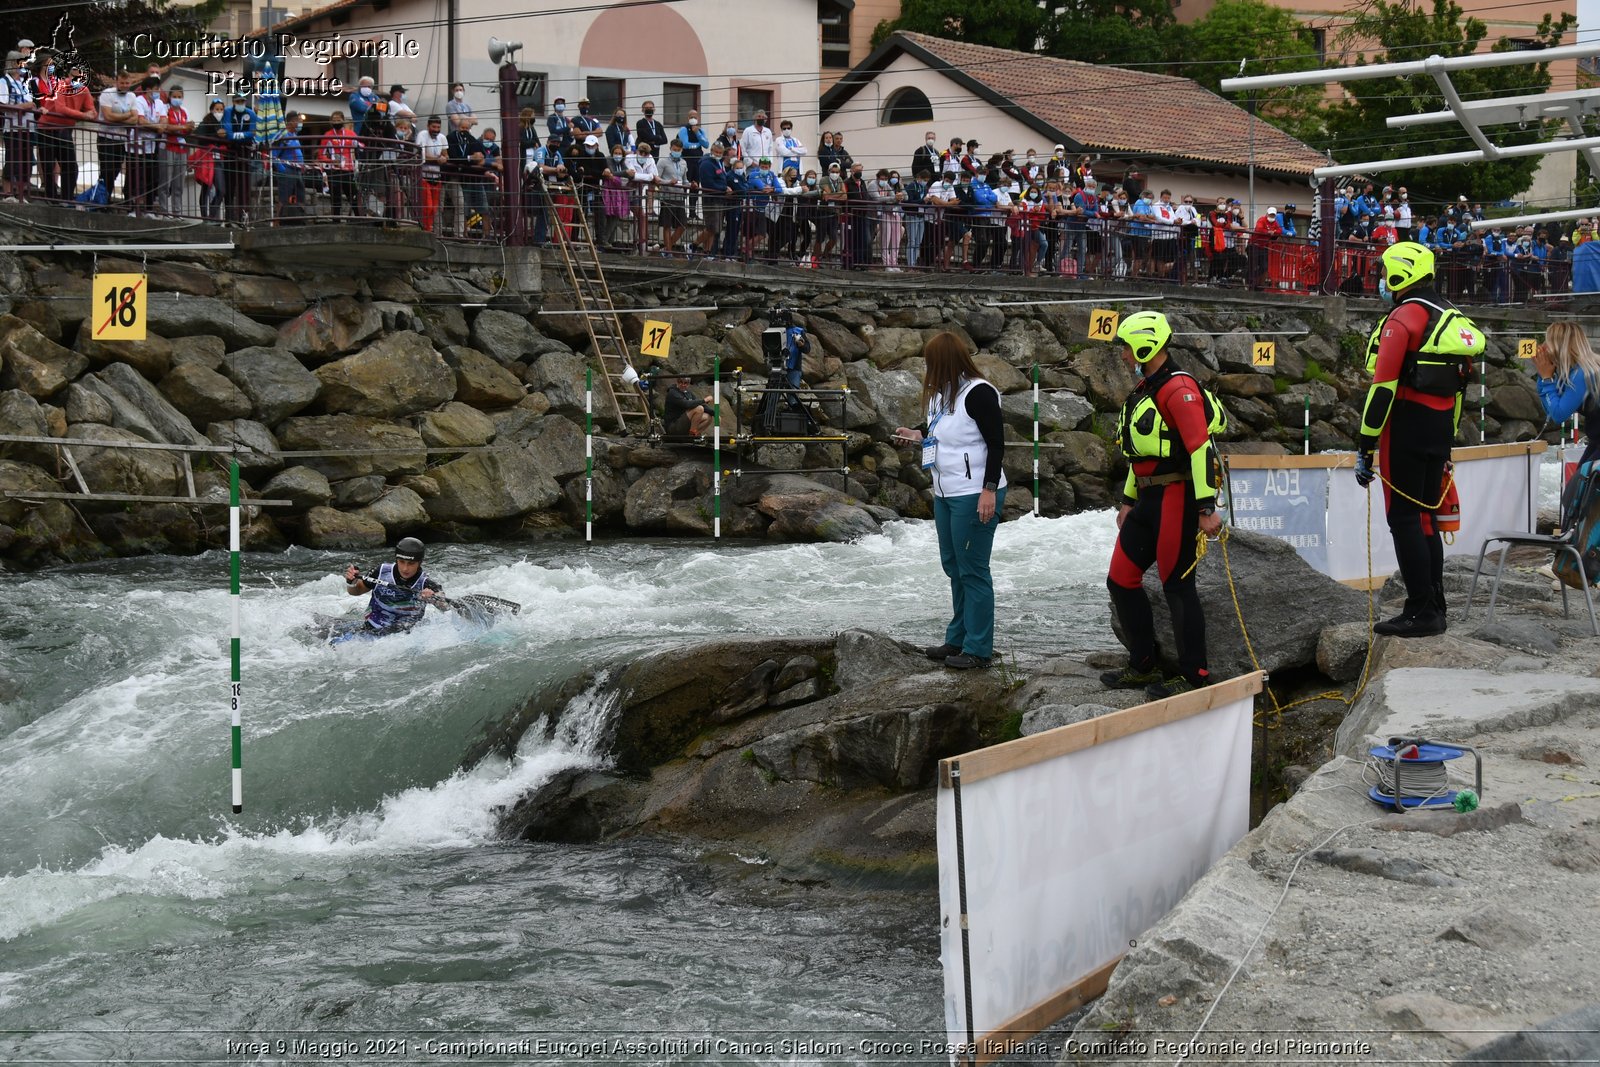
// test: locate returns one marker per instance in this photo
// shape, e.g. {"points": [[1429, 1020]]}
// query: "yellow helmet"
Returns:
{"points": [[1406, 263], [1146, 333]]}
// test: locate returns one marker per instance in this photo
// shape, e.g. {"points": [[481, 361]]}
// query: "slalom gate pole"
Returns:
{"points": [[233, 643], [1036, 440], [588, 454], [1308, 424], [716, 447]]}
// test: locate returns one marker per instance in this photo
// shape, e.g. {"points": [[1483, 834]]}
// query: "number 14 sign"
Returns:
{"points": [[119, 306]]}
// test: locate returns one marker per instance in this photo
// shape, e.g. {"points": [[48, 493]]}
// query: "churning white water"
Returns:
{"points": [[364, 889]]}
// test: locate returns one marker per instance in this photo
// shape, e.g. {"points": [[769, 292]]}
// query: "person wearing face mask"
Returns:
{"points": [[757, 141], [646, 176], [672, 182], [151, 113], [738, 219], [696, 143], [173, 154], [376, 162], [617, 133], [399, 107], [834, 199], [206, 159], [712, 176], [791, 152], [1166, 429], [926, 157], [888, 194], [828, 155], [912, 210], [785, 229], [18, 107], [1263, 246], [616, 188], [649, 131], [1221, 223], [587, 167], [583, 123], [361, 100], [558, 125], [1120, 214], [455, 108], [808, 197], [337, 155], [65, 102], [729, 139], [288, 168]]}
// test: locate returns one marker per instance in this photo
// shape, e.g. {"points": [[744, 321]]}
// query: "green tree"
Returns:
{"points": [[1126, 33], [1357, 130], [1015, 24], [1276, 43]]}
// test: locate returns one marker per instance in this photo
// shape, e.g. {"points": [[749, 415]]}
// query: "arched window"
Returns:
{"points": [[906, 105]]}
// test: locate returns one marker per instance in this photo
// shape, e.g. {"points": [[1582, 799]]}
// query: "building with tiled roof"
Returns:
{"points": [[1173, 132]]}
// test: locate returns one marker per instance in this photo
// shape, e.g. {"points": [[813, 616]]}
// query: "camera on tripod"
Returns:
{"points": [[781, 412], [772, 339]]}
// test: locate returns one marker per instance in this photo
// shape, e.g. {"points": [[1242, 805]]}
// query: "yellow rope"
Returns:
{"points": [[1450, 479], [1333, 694]]}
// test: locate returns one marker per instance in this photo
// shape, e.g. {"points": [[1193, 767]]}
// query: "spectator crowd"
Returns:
{"points": [[743, 193]]}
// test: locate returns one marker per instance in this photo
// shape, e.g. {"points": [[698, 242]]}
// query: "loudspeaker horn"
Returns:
{"points": [[499, 49]]}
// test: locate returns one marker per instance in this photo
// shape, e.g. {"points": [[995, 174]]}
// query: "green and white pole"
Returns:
{"points": [[716, 447], [1308, 424], [1483, 401], [588, 454], [233, 691], [1036, 440]]}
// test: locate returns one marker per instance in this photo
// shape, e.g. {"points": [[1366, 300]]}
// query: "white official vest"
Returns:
{"points": [[961, 455]]}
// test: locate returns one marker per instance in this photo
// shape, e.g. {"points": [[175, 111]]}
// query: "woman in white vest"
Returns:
{"points": [[962, 441]]}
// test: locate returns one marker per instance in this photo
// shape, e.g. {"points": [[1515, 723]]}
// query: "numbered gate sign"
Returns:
{"points": [[657, 339], [1527, 348], [1103, 325], [1263, 353], [118, 307]]}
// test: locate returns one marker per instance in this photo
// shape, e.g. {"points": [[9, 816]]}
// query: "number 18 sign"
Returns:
{"points": [[119, 306]]}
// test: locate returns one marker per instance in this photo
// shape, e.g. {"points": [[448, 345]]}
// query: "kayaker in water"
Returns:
{"points": [[402, 592]]}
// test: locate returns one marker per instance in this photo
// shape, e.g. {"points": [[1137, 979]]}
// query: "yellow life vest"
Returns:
{"points": [[1145, 434], [1442, 364]]}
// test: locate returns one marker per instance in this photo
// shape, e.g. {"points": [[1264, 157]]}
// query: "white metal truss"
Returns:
{"points": [[1572, 108]]}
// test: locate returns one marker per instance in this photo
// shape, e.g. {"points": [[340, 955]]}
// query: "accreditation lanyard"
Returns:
{"points": [[930, 443]]}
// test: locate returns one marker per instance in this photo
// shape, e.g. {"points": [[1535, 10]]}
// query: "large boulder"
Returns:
{"points": [[1057, 411], [204, 395], [398, 375], [268, 297], [983, 323], [1286, 605], [255, 447], [482, 382], [125, 470], [506, 337], [554, 443], [332, 327], [673, 499], [894, 396], [1002, 375], [835, 340], [138, 406], [151, 357], [399, 509], [892, 345], [1517, 399], [560, 376], [47, 532], [489, 486], [804, 510], [180, 315], [352, 433], [327, 528], [22, 416], [455, 424], [276, 383], [206, 351], [301, 486], [32, 362], [85, 405]]}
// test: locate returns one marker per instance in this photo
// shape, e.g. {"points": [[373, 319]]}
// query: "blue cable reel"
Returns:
{"points": [[1421, 780]]}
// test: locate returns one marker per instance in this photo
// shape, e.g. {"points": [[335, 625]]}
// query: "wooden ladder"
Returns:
{"points": [[593, 297]]}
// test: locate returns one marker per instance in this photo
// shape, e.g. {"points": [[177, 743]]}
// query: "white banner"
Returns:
{"points": [[1498, 486], [1072, 843]]}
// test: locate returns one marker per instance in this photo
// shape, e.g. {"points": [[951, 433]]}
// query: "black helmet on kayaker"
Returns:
{"points": [[409, 548]]}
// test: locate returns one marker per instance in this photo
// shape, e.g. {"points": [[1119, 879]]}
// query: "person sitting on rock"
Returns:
{"points": [[402, 592], [687, 412]]}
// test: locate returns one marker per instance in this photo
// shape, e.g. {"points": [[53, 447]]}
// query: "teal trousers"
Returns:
{"points": [[964, 545]]}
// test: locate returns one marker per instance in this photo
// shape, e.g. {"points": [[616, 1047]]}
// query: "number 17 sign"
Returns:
{"points": [[119, 306], [657, 339]]}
